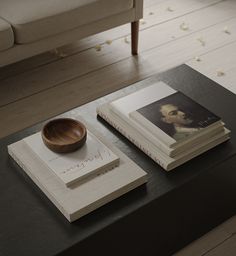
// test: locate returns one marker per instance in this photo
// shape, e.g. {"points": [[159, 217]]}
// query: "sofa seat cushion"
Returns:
{"points": [[6, 35], [33, 20]]}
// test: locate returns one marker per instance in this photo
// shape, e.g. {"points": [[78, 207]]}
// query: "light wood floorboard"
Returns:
{"points": [[160, 15], [79, 90], [158, 8], [49, 76], [220, 241], [210, 66]]}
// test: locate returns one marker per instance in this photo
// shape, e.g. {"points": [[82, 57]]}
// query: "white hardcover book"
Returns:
{"points": [[141, 98], [78, 200], [148, 147], [158, 111], [197, 140], [182, 148], [77, 166], [177, 149], [195, 137]]}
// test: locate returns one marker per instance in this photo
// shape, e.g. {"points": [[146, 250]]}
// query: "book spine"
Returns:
{"points": [[131, 138]]}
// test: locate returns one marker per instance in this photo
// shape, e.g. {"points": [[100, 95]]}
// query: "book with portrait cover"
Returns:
{"points": [[159, 145], [178, 116], [126, 107]]}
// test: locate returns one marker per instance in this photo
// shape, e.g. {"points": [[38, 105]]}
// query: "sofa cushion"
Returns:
{"points": [[33, 20], [6, 35]]}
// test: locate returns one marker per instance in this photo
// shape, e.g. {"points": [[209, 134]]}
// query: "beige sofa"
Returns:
{"points": [[30, 27]]}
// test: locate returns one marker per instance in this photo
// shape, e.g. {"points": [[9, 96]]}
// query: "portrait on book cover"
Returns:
{"points": [[178, 116]]}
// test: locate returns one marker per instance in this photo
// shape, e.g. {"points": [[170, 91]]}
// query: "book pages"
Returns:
{"points": [[80, 199], [166, 162]]}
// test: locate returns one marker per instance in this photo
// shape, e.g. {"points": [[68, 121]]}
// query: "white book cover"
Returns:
{"points": [[141, 98], [92, 158], [78, 200], [166, 162]]}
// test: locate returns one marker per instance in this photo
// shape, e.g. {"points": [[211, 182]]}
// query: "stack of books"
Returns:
{"points": [[78, 182], [168, 126]]}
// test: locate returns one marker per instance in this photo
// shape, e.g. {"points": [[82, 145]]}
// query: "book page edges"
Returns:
{"points": [[151, 150], [155, 134], [140, 120], [174, 151], [71, 202], [78, 176], [200, 151]]}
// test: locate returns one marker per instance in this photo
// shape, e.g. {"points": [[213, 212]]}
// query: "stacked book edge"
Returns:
{"points": [[80, 198], [167, 125], [78, 166]]}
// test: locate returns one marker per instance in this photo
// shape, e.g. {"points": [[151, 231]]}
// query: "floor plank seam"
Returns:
{"points": [[103, 67], [185, 14], [189, 34], [219, 244], [66, 81], [143, 51]]}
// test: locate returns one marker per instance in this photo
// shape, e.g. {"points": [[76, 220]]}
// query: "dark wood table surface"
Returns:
{"points": [[158, 218]]}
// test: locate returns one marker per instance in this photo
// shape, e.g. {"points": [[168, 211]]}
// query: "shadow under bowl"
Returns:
{"points": [[64, 135]]}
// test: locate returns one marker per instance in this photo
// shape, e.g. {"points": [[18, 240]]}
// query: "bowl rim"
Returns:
{"points": [[84, 131]]}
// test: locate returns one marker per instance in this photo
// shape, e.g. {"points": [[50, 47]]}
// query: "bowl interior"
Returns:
{"points": [[63, 131]]}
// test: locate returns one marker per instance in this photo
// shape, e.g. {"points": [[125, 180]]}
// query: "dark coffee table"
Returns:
{"points": [[160, 218]]}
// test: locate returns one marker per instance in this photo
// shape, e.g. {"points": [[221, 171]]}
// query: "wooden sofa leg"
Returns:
{"points": [[134, 37]]}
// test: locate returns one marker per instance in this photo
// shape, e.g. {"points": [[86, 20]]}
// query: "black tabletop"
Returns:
{"points": [[159, 218]]}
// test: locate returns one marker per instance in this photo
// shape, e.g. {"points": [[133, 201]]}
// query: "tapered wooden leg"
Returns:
{"points": [[134, 37]]}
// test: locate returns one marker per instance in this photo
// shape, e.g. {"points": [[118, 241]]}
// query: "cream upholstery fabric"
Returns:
{"points": [[33, 20], [6, 35], [23, 51]]}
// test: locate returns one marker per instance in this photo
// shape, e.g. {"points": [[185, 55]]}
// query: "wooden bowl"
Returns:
{"points": [[64, 135]]}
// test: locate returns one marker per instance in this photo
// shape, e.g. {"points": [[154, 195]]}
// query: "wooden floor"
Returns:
{"points": [[221, 241], [201, 33]]}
